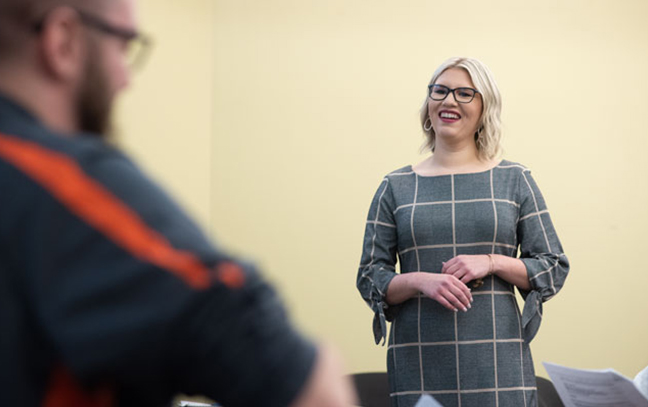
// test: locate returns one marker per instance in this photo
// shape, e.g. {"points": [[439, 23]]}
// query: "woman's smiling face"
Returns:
{"points": [[452, 120]]}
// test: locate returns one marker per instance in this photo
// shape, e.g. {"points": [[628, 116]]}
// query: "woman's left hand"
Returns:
{"points": [[467, 267]]}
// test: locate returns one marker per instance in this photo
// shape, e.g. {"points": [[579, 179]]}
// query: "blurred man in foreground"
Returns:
{"points": [[109, 295]]}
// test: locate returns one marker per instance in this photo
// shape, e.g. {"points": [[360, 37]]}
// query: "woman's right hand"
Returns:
{"points": [[446, 289]]}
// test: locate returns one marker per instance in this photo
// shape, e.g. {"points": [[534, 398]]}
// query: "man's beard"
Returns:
{"points": [[94, 102]]}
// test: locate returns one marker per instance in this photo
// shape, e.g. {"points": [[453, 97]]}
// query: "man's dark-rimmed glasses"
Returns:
{"points": [[138, 43]]}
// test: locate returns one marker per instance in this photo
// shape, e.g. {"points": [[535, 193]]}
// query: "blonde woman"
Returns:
{"points": [[466, 228]]}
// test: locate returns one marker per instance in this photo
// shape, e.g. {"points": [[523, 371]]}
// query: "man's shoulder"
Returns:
{"points": [[34, 137]]}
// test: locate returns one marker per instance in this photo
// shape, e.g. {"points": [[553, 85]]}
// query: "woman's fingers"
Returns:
{"points": [[466, 267], [446, 269], [461, 293], [441, 300], [449, 265], [451, 301], [451, 293]]}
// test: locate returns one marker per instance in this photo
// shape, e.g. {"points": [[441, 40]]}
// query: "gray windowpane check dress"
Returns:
{"points": [[481, 357]]}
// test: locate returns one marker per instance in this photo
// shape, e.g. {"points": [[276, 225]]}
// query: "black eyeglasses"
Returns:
{"points": [[461, 95], [138, 44]]}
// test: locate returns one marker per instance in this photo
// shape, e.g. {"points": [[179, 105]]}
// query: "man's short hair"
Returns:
{"points": [[19, 17]]}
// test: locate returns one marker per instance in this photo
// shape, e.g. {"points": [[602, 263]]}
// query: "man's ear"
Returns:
{"points": [[63, 44]]}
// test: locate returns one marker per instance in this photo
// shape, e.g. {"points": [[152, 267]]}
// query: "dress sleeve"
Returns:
{"points": [[540, 251], [377, 266]]}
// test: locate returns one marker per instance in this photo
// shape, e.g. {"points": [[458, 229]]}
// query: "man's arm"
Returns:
{"points": [[327, 386]]}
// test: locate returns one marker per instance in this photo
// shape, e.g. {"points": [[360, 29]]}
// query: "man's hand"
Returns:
{"points": [[328, 385]]}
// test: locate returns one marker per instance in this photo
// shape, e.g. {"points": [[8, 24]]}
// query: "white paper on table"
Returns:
{"points": [[641, 381], [594, 388], [427, 401]]}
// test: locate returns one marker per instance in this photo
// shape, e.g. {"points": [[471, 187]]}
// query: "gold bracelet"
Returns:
{"points": [[491, 267], [491, 264]]}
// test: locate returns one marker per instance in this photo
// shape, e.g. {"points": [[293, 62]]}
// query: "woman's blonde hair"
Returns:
{"points": [[489, 133]]}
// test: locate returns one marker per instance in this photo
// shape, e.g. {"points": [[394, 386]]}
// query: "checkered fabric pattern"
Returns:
{"points": [[479, 358]]}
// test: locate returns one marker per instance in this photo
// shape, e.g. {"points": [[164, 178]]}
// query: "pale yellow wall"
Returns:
{"points": [[165, 119], [275, 120]]}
